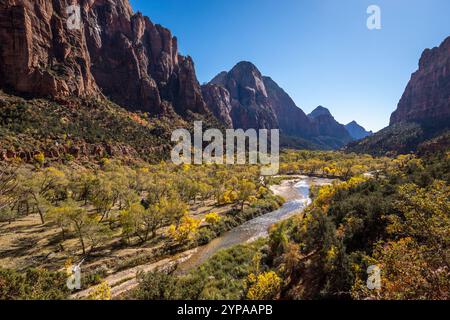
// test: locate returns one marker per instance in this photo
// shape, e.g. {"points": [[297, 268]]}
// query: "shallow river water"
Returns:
{"points": [[297, 191]]}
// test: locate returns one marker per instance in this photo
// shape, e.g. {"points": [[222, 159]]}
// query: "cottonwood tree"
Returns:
{"points": [[185, 231], [104, 197], [83, 185], [218, 184], [8, 186], [60, 215], [87, 227], [42, 189], [246, 191], [173, 210], [156, 190], [265, 286], [141, 222]]}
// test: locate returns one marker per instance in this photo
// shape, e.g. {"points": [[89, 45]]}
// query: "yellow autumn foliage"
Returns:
{"points": [[185, 231], [264, 286], [213, 218], [101, 292]]}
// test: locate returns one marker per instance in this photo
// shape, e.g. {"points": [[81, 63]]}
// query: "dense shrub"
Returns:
{"points": [[34, 284]]}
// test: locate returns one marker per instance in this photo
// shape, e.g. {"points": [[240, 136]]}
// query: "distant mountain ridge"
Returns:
{"points": [[247, 99], [356, 131], [335, 133]]}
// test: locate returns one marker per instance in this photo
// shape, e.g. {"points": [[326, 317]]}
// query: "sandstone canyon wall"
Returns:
{"points": [[427, 95], [116, 53], [422, 119]]}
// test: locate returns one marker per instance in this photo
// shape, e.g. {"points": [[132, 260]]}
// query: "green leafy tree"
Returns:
{"points": [[42, 188], [246, 191]]}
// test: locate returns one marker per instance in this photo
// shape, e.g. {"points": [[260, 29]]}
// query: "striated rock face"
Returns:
{"points": [[427, 95], [422, 119], [356, 131], [38, 55], [292, 120], [219, 101], [250, 106], [117, 53], [327, 126], [251, 100]]}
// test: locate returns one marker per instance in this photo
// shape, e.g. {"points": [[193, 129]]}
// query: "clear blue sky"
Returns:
{"points": [[319, 51]]}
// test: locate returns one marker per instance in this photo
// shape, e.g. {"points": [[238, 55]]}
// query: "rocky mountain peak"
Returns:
{"points": [[427, 95], [220, 78], [246, 76], [248, 99], [357, 131], [320, 111], [327, 126]]}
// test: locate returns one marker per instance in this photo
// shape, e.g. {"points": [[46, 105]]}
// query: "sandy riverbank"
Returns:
{"points": [[286, 189]]}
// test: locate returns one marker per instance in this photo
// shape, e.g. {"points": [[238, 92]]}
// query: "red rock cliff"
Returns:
{"points": [[427, 95], [115, 52]]}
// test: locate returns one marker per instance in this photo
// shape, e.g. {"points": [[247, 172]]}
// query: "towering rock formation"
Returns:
{"points": [[427, 95], [38, 54], [248, 104], [292, 120], [247, 99], [251, 100], [114, 52], [219, 102], [327, 126], [356, 131], [422, 119]]}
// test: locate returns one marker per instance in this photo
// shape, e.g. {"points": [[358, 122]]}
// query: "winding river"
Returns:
{"points": [[297, 194], [296, 191]]}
